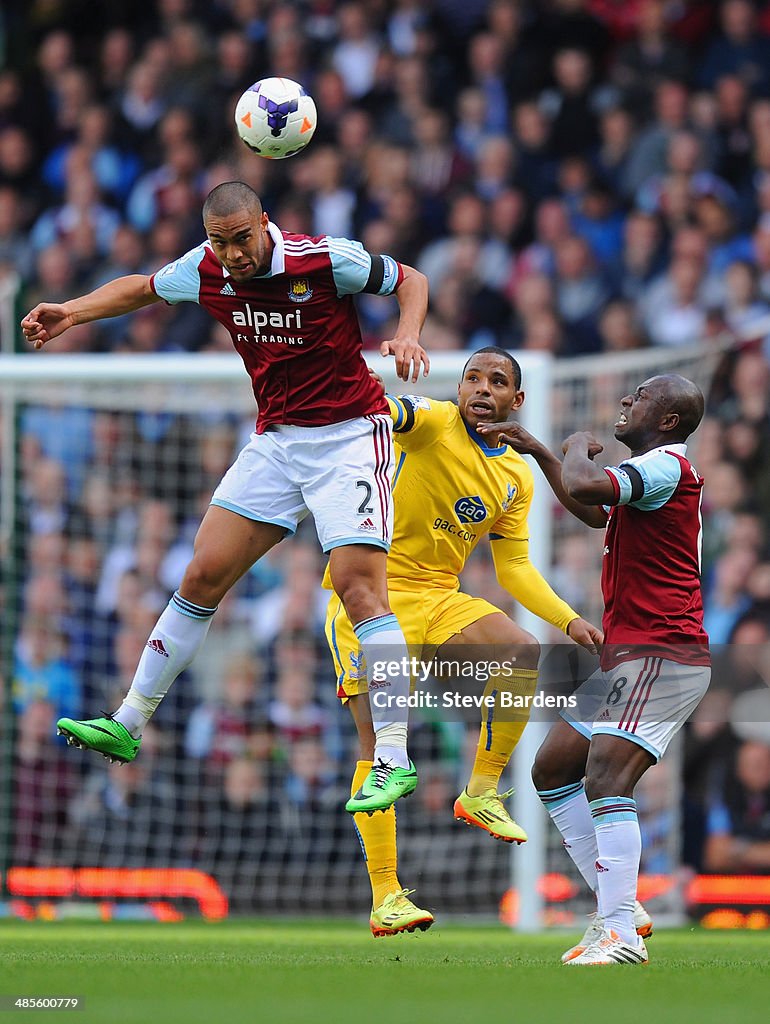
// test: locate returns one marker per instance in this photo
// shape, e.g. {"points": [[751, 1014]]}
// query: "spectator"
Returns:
{"points": [[41, 671], [649, 154], [745, 313], [675, 316], [126, 817], [650, 57], [299, 603], [45, 490], [581, 291], [726, 598], [44, 781], [16, 252], [599, 223], [141, 106], [617, 131], [220, 729], [294, 713], [738, 822], [733, 130], [739, 50], [82, 206], [114, 170], [240, 833], [356, 50], [570, 106], [641, 256], [552, 228], [486, 56], [619, 327]]}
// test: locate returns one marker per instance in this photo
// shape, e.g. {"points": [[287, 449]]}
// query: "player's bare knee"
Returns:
{"points": [[204, 583], [362, 600], [605, 777], [549, 773]]}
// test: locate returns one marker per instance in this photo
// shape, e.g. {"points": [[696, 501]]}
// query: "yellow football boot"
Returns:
{"points": [[487, 812], [397, 914]]}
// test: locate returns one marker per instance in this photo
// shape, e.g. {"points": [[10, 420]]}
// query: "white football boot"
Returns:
{"points": [[593, 932], [610, 950]]}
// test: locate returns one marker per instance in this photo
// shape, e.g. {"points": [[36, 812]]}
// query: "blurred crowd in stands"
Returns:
{"points": [[575, 176]]}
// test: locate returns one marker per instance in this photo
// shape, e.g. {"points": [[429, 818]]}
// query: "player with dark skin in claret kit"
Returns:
{"points": [[655, 663]]}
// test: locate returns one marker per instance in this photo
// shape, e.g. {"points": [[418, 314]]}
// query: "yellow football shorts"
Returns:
{"points": [[427, 617]]}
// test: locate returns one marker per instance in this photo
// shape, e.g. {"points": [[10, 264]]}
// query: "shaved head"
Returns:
{"points": [[683, 397], [231, 197]]}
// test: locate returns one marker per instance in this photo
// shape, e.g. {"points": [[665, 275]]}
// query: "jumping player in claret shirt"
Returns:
{"points": [[322, 443], [654, 666]]}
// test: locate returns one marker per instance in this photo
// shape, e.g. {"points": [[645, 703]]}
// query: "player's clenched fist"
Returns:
{"points": [[583, 438], [47, 320]]}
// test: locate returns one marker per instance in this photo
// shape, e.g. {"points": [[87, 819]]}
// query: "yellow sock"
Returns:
{"points": [[378, 839], [501, 729]]}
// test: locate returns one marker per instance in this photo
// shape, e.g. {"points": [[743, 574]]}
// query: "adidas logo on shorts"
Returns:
{"points": [[367, 525]]}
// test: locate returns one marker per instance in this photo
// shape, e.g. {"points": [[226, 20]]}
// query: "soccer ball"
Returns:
{"points": [[276, 118]]}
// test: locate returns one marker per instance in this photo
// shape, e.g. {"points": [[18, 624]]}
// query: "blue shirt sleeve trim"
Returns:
{"points": [[180, 281], [660, 473], [351, 265]]}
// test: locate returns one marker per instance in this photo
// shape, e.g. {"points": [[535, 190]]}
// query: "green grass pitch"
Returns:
{"points": [[312, 971]]}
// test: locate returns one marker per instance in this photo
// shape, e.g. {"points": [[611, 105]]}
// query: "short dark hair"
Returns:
{"points": [[231, 197], [684, 397], [497, 351]]}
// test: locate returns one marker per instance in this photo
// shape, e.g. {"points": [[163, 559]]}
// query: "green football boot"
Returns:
{"points": [[104, 735], [384, 784]]}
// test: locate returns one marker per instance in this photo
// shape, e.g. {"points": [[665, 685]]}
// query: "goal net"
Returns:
{"points": [[107, 464]]}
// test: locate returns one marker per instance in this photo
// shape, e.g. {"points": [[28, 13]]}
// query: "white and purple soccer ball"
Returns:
{"points": [[276, 118]]}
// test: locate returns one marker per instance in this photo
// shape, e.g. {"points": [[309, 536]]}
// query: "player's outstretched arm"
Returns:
{"points": [[516, 574], [524, 443], [412, 295], [123, 295]]}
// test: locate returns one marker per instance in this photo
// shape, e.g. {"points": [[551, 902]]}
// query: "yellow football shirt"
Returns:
{"points": [[450, 489]]}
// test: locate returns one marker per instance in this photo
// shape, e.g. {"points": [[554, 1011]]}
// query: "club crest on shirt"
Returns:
{"points": [[357, 668], [471, 509], [510, 498], [300, 290]]}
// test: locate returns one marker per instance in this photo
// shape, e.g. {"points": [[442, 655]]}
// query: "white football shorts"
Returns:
{"points": [[340, 473], [646, 701]]}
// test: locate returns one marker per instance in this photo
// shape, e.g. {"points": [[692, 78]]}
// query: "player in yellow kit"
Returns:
{"points": [[451, 488]]}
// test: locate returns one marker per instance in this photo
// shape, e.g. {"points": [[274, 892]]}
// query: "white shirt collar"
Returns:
{"points": [[680, 448], [278, 264]]}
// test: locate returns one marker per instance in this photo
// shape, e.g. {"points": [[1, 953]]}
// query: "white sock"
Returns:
{"points": [[619, 844], [383, 644], [570, 813], [173, 644]]}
